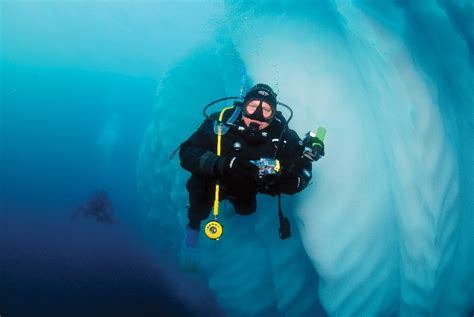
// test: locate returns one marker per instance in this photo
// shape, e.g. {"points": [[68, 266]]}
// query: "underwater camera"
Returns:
{"points": [[268, 169], [267, 166]]}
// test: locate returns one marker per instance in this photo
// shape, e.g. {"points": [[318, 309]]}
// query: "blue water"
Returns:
{"points": [[51, 116], [95, 95], [50, 265]]}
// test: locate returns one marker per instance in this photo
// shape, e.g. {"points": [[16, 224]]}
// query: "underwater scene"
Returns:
{"points": [[236, 158]]}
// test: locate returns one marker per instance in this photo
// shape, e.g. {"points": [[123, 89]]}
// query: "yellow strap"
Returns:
{"points": [[219, 137]]}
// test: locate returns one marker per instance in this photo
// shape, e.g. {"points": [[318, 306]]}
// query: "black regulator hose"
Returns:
{"points": [[214, 102], [287, 107], [229, 98]]}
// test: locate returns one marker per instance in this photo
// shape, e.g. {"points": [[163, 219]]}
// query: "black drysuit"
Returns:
{"points": [[198, 156]]}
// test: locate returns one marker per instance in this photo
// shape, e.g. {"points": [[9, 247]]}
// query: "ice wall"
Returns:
{"points": [[386, 227]]}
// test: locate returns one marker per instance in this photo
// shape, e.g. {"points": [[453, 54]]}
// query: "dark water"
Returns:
{"points": [[52, 267]]}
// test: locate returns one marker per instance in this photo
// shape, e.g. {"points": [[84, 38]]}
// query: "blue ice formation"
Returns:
{"points": [[387, 226]]}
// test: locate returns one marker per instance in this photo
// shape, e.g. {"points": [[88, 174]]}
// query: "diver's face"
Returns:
{"points": [[251, 107]]}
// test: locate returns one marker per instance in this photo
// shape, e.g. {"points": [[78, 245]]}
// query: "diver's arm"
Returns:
{"points": [[196, 153], [297, 173]]}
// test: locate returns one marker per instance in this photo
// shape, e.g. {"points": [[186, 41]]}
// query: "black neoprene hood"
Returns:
{"points": [[262, 92]]}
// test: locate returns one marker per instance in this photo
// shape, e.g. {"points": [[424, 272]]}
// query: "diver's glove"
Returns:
{"points": [[288, 184], [313, 148], [285, 185], [292, 185], [236, 168]]}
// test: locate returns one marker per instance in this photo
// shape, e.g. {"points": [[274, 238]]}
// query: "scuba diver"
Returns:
{"points": [[256, 153], [98, 206]]}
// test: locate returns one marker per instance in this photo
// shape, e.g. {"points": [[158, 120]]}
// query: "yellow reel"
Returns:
{"points": [[213, 230]]}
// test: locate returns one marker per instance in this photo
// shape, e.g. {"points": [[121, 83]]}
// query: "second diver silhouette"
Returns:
{"points": [[98, 206]]}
